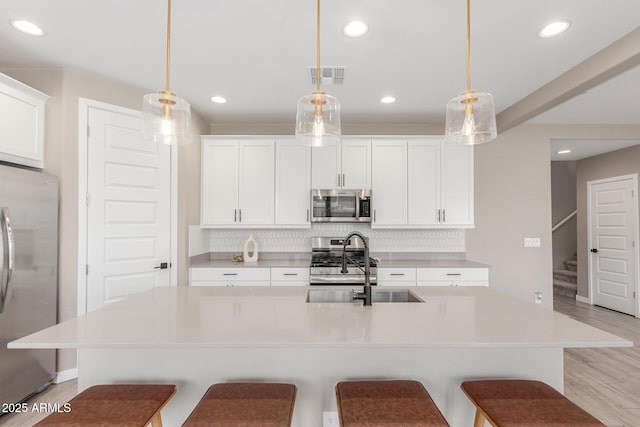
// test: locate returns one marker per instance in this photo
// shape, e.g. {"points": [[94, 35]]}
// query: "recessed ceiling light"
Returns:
{"points": [[27, 27], [388, 100], [554, 29], [564, 151], [219, 99], [355, 29]]}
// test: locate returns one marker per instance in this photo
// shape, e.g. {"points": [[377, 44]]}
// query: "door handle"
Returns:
{"points": [[235, 215], [162, 266], [343, 180], [9, 257], [338, 180], [307, 215], [444, 215], [594, 250], [439, 215]]}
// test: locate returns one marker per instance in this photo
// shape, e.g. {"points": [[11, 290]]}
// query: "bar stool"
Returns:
{"points": [[245, 404], [130, 405], [386, 403], [524, 403]]}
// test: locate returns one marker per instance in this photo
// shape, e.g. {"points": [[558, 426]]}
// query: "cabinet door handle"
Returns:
{"points": [[290, 274], [374, 215], [444, 215], [230, 274], [307, 215], [235, 215], [454, 274], [338, 180], [239, 215], [438, 215], [397, 274], [343, 180]]}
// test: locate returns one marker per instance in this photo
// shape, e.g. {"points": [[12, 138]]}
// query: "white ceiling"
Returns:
{"points": [[256, 52]]}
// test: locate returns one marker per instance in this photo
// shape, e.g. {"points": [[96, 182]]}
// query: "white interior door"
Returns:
{"points": [[612, 234], [128, 212]]}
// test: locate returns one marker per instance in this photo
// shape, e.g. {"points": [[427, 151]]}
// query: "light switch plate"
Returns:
{"points": [[531, 242]]}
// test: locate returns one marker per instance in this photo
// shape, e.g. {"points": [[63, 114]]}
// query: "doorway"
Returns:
{"points": [[613, 236], [126, 227]]}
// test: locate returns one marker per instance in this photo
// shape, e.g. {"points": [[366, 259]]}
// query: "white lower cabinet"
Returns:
{"points": [[399, 277], [452, 276], [241, 276], [285, 276]]}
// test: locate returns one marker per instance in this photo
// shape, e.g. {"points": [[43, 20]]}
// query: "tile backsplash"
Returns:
{"points": [[299, 240]]}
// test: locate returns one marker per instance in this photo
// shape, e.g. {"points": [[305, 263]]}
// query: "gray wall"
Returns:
{"points": [[616, 163], [563, 202], [65, 86]]}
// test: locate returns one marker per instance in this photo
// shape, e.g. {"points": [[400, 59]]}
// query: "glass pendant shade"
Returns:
{"points": [[166, 118], [471, 119], [318, 120]]}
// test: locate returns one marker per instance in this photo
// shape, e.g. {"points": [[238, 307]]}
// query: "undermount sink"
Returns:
{"points": [[377, 295]]}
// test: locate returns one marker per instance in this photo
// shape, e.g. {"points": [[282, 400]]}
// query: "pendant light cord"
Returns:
{"points": [[317, 48], [168, 45], [468, 45]]}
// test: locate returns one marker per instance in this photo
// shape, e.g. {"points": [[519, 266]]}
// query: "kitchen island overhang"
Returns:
{"points": [[195, 337]]}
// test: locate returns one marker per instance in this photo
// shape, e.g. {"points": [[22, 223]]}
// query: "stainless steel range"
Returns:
{"points": [[326, 262]]}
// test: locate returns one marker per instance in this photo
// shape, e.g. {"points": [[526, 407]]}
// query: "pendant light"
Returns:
{"points": [[471, 116], [318, 116], [166, 118]]}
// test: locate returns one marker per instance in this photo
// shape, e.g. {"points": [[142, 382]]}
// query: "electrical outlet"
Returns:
{"points": [[537, 297], [531, 242], [330, 419]]}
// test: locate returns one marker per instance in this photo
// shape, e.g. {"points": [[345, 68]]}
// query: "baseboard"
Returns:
{"points": [[69, 374], [580, 298]]}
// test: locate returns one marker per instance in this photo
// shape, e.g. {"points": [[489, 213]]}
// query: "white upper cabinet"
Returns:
{"points": [[21, 123], [237, 182], [346, 165], [389, 186], [293, 184], [424, 182], [457, 185], [356, 164], [219, 183], [430, 187]]}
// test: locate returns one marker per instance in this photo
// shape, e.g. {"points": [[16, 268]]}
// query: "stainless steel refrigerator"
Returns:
{"points": [[28, 277]]}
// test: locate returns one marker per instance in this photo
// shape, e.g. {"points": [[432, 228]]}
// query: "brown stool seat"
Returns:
{"points": [[130, 405], [386, 403], [244, 405], [524, 403]]}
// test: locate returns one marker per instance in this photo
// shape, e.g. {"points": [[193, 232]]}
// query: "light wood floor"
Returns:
{"points": [[605, 382]]}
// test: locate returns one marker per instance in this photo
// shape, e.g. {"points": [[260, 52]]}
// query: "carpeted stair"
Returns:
{"points": [[565, 281]]}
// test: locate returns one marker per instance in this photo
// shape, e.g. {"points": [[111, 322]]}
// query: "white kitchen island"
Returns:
{"points": [[195, 337]]}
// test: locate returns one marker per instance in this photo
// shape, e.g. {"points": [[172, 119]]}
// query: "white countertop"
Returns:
{"points": [[267, 263], [304, 263], [186, 317], [429, 263]]}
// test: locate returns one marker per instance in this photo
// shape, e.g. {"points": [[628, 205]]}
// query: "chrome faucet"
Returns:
{"points": [[366, 295]]}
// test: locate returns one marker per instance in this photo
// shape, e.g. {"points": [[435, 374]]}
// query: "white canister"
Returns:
{"points": [[250, 246]]}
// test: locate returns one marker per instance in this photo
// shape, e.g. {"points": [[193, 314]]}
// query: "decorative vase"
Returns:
{"points": [[250, 247]]}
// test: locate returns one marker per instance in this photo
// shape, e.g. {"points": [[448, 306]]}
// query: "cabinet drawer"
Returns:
{"points": [[231, 274], [453, 274], [396, 274], [290, 274], [454, 283]]}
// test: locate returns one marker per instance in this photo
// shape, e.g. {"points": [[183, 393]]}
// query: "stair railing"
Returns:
{"points": [[558, 225]]}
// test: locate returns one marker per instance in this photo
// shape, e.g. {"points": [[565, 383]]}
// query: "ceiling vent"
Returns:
{"points": [[329, 76]]}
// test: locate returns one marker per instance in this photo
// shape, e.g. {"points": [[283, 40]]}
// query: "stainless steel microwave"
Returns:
{"points": [[340, 205]]}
